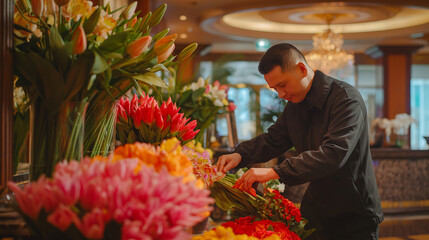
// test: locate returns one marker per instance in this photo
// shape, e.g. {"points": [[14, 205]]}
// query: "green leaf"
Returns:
{"points": [[184, 97], [79, 74], [158, 67], [100, 64], [197, 94], [61, 52], [90, 23], [115, 42], [151, 78]]}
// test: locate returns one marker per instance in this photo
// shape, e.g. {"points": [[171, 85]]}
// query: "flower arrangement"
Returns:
{"points": [[71, 51], [142, 120], [224, 233], [204, 101], [108, 199], [272, 184], [271, 206], [201, 162], [263, 229]]}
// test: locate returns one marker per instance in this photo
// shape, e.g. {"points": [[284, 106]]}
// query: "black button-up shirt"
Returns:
{"points": [[329, 129]]}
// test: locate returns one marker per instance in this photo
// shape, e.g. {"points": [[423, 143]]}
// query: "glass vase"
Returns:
{"points": [[55, 136], [100, 127]]}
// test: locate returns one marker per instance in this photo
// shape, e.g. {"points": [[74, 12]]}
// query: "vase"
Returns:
{"points": [[55, 135], [100, 127]]}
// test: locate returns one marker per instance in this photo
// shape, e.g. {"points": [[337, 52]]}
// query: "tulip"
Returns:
{"points": [[62, 218], [129, 11], [137, 47], [164, 47], [79, 40], [38, 7], [93, 224], [61, 2]]}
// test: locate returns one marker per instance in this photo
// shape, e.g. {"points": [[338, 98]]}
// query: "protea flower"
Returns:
{"points": [[147, 122]]}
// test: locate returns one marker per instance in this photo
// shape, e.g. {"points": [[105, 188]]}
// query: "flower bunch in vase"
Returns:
{"points": [[111, 199], [69, 53], [202, 164], [143, 120], [204, 101]]}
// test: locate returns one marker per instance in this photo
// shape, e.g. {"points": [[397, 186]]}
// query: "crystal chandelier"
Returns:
{"points": [[327, 54]]}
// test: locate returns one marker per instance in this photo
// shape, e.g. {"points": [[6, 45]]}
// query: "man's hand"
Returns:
{"points": [[261, 175], [228, 162]]}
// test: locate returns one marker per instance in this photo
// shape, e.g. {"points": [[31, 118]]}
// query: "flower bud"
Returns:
{"points": [[79, 41], [164, 47], [61, 2], [51, 7], [38, 7], [130, 10], [137, 47]]}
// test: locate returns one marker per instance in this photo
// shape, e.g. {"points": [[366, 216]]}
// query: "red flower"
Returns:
{"points": [[160, 122]]}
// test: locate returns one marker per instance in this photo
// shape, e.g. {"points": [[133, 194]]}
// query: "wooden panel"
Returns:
{"points": [[6, 91], [397, 88]]}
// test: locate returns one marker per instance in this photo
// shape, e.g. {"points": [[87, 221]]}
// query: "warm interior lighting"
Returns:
{"points": [[183, 35], [327, 54], [183, 17]]}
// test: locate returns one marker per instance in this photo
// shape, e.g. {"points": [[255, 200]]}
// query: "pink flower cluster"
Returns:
{"points": [[90, 194], [202, 167], [153, 123]]}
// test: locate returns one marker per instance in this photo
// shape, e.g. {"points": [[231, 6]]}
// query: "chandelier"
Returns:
{"points": [[327, 54]]}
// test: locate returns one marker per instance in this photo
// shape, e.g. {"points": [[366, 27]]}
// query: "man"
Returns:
{"points": [[326, 121]]}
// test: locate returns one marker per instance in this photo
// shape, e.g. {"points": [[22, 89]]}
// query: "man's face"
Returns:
{"points": [[289, 84]]}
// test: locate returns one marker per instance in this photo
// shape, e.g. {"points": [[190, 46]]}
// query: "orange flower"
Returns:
{"points": [[137, 47], [38, 7], [18, 19], [79, 41], [76, 9], [169, 155], [164, 47], [104, 25]]}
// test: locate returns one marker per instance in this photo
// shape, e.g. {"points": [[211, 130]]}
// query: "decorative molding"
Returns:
{"points": [[6, 91]]}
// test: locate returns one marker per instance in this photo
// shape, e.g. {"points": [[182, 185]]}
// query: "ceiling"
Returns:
{"points": [[235, 25]]}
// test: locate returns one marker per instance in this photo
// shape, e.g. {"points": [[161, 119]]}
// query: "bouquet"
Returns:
{"points": [[202, 165], [223, 233], [111, 199], [271, 206], [142, 120], [69, 53], [203, 101]]}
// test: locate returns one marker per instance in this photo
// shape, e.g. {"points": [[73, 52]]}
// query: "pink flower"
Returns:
{"points": [[29, 199], [63, 217], [66, 188], [92, 225], [231, 106]]}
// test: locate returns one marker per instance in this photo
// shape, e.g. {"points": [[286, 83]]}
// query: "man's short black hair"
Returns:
{"points": [[283, 55]]}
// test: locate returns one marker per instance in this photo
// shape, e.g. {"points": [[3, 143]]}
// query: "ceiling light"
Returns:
{"points": [[262, 45], [327, 54], [183, 17], [183, 35]]}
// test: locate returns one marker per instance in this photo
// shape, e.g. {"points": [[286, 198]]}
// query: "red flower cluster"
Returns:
{"points": [[288, 209], [261, 229], [151, 123]]}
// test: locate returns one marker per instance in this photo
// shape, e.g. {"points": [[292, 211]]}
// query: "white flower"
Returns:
{"points": [[281, 187], [218, 103], [239, 173]]}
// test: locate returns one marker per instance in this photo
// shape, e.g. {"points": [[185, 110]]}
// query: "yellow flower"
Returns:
{"points": [[77, 9], [104, 25], [223, 233], [21, 21]]}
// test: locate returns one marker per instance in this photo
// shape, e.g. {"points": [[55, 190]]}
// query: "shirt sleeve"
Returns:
{"points": [[344, 130], [267, 145]]}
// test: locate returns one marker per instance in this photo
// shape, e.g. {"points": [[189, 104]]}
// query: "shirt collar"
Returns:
{"points": [[319, 90]]}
